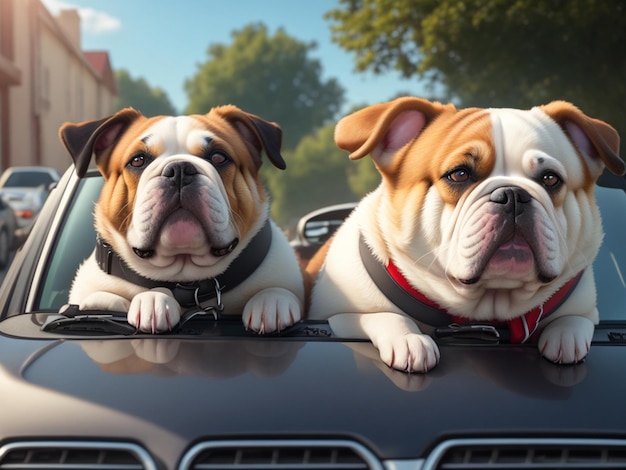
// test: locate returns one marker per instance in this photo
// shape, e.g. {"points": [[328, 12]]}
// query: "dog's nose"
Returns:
{"points": [[180, 172], [511, 197]]}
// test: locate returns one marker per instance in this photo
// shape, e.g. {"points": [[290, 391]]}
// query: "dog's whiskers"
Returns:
{"points": [[126, 219], [238, 221]]}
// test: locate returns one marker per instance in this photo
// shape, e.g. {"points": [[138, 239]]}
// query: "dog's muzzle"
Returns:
{"points": [[179, 184], [515, 216]]}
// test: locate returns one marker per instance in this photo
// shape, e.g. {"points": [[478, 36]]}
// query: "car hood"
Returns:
{"points": [[179, 390]]}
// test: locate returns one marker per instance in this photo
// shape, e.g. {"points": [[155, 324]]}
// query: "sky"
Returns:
{"points": [[164, 41]]}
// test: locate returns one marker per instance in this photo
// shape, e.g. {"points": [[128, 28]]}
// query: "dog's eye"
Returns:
{"points": [[139, 160], [460, 175], [218, 158], [550, 180]]}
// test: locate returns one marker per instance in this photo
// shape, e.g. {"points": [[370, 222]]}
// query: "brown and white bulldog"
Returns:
{"points": [[183, 220], [483, 216]]}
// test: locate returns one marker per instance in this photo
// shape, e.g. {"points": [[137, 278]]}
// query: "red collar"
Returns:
{"points": [[521, 328]]}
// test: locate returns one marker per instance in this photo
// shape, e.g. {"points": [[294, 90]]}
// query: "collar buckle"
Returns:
{"points": [[199, 310], [199, 292]]}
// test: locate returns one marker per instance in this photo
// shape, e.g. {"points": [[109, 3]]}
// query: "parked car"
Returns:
{"points": [[88, 391], [316, 227], [8, 228], [26, 188]]}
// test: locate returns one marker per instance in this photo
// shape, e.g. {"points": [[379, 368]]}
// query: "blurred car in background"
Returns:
{"points": [[316, 227], [8, 227], [26, 188]]}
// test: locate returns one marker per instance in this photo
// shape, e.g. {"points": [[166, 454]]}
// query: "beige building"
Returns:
{"points": [[45, 80]]}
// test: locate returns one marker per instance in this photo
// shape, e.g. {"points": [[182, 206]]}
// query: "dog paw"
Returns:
{"points": [[271, 310], [412, 352], [154, 311], [567, 339]]}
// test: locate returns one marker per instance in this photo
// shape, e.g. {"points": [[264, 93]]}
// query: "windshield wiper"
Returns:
{"points": [[111, 324], [205, 323], [474, 333]]}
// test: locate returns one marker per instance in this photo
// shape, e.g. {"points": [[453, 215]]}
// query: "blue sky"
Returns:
{"points": [[163, 41]]}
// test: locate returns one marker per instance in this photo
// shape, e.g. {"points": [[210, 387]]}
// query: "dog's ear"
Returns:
{"points": [[595, 139], [382, 129], [84, 139], [262, 134]]}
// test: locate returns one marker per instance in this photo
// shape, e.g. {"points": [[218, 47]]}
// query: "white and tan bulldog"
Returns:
{"points": [[482, 216], [183, 220]]}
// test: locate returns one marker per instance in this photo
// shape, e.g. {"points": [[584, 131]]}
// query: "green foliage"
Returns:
{"points": [[138, 94], [271, 76], [515, 53], [317, 175], [363, 176]]}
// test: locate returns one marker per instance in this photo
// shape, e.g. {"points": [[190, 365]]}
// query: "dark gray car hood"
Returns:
{"points": [[182, 390]]}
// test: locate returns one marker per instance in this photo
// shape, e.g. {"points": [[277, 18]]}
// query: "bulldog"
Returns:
{"points": [[183, 220], [484, 219]]}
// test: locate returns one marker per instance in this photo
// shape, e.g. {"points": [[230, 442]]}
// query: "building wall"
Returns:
{"points": [[10, 75], [60, 93], [22, 148], [58, 85]]}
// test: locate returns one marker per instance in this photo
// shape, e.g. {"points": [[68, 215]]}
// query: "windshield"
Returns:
{"points": [[75, 242], [610, 264]]}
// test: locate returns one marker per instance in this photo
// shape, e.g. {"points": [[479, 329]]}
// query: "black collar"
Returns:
{"points": [[396, 294], [190, 294], [415, 304]]}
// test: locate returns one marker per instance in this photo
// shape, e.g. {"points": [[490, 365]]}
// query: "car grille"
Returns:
{"points": [[65, 455], [535, 454], [282, 454]]}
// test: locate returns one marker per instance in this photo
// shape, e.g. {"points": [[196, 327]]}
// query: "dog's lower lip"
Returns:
{"points": [[143, 254], [216, 251], [546, 278]]}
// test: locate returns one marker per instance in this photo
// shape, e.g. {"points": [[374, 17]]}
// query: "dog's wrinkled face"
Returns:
{"points": [[184, 176], [495, 205], [510, 202], [181, 205], [181, 192]]}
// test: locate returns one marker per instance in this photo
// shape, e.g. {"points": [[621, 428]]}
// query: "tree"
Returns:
{"points": [[138, 94], [271, 76], [363, 176], [318, 174], [496, 52]]}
